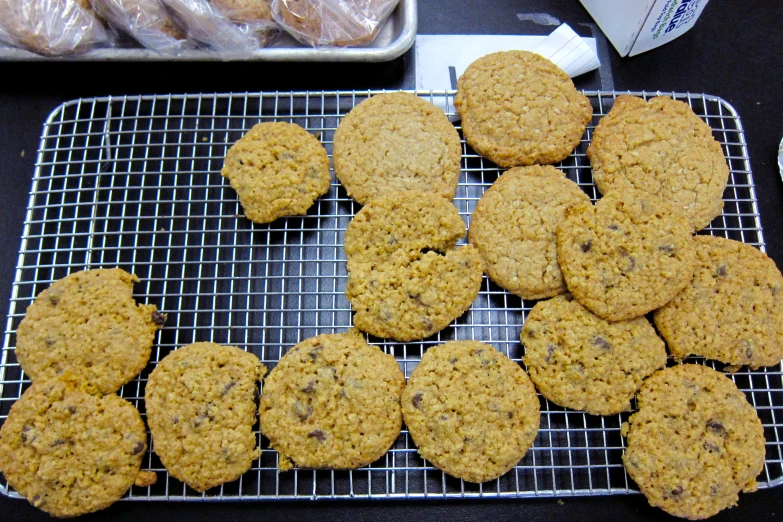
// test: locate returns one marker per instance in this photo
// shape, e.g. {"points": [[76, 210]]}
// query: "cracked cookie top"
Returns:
{"points": [[278, 169], [201, 408], [518, 108], [89, 324], [514, 227], [396, 141], [471, 411], [332, 401], [694, 443], [661, 147], [407, 279], [69, 452], [580, 361], [628, 255]]}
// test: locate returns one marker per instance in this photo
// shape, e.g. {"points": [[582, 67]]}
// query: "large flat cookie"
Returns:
{"points": [[663, 148], [201, 408], [518, 108], [695, 442], [732, 311], [278, 169], [89, 324], [332, 401], [471, 411], [628, 255], [514, 227], [396, 141], [583, 362], [407, 279], [68, 452]]}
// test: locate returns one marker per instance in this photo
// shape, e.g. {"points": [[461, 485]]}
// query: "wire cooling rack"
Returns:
{"points": [[135, 182]]}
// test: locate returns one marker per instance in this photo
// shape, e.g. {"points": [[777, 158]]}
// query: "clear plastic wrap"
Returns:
{"points": [[50, 27], [144, 20], [211, 30], [321, 23], [245, 11]]}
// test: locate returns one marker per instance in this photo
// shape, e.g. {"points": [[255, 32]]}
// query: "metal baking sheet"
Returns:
{"points": [[135, 182], [395, 37]]}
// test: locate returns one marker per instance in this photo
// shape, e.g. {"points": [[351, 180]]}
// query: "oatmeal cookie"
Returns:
{"points": [[396, 141], [332, 401], [518, 108], [514, 228], [661, 147], [695, 442], [471, 411]]}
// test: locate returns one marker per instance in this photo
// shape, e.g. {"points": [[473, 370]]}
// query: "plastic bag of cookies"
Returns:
{"points": [[51, 27], [146, 21], [322, 23]]}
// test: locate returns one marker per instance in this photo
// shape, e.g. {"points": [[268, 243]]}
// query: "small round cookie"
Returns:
{"points": [[407, 279], [88, 323], [663, 148], [471, 411], [514, 228], [69, 452], [333, 401], [201, 408], [583, 362], [278, 169], [396, 141], [518, 108], [628, 255], [694, 443], [732, 311]]}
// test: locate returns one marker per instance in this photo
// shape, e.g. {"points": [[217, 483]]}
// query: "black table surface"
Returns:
{"points": [[734, 52]]}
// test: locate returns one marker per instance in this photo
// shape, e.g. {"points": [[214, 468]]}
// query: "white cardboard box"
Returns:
{"points": [[636, 26]]}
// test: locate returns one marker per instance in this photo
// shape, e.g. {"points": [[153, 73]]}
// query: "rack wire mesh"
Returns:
{"points": [[135, 182]]}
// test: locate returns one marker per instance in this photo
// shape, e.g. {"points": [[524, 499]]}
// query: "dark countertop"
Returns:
{"points": [[733, 52]]}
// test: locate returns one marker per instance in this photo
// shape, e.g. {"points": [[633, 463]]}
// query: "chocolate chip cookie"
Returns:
{"points": [[661, 147], [471, 411], [201, 408], [732, 311], [396, 141], [695, 442], [628, 255], [518, 108], [88, 323], [407, 279], [514, 227], [278, 169], [580, 361], [332, 401], [69, 452]]}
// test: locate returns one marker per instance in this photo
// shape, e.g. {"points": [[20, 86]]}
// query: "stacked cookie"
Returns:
{"points": [[70, 445]]}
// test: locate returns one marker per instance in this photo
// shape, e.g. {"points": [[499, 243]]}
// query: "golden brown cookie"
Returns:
{"points": [[695, 442], [201, 408], [514, 227], [407, 279], [471, 411], [245, 11], [661, 147], [394, 142], [732, 311], [580, 361], [628, 255], [332, 401], [88, 323], [518, 108], [69, 452], [278, 169]]}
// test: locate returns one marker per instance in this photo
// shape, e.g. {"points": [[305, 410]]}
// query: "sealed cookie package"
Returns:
{"points": [[51, 27], [209, 28], [146, 21], [324, 23]]}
